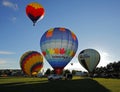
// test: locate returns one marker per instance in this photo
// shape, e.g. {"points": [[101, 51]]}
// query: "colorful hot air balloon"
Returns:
{"points": [[89, 59], [58, 46], [35, 11], [31, 62]]}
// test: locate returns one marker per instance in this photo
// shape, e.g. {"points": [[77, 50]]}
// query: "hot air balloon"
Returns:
{"points": [[35, 11], [89, 59], [58, 46], [31, 62]]}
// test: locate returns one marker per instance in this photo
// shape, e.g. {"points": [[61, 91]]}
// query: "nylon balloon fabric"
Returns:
{"points": [[35, 11], [31, 62], [58, 46], [89, 59]]}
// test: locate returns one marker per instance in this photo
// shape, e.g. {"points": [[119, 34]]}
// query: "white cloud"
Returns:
{"points": [[9, 4], [2, 61], [6, 53], [105, 58], [13, 19], [9, 63]]}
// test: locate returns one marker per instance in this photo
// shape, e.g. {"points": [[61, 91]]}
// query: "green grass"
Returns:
{"points": [[22, 84], [112, 84]]}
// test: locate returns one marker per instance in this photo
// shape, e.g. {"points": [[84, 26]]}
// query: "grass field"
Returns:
{"points": [[22, 84]]}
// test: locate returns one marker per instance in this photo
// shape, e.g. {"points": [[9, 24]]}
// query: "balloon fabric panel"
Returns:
{"points": [[36, 67], [34, 14], [89, 59], [35, 11], [31, 61], [58, 46]]}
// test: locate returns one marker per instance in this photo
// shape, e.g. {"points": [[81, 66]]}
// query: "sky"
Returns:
{"points": [[96, 24]]}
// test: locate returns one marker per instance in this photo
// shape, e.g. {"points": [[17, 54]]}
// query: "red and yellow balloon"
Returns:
{"points": [[35, 11], [31, 62]]}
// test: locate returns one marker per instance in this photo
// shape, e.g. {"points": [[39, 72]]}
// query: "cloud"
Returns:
{"points": [[6, 53], [2, 62], [8, 63], [13, 19], [105, 58], [9, 4]]}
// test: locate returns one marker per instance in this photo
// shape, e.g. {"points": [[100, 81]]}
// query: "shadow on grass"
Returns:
{"points": [[81, 85]]}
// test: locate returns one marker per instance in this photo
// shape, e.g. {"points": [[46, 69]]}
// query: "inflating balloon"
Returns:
{"points": [[35, 11], [89, 59], [58, 46], [31, 62]]}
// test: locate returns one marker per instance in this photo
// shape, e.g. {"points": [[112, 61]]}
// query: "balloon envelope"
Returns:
{"points": [[89, 59], [35, 11], [58, 46], [31, 62]]}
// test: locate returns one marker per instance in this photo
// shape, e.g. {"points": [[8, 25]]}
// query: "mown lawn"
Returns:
{"points": [[22, 84], [112, 84]]}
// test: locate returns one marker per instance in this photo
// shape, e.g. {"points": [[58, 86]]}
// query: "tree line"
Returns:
{"points": [[111, 70]]}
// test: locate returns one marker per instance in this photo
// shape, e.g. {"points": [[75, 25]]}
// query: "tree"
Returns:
{"points": [[73, 72], [48, 72]]}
